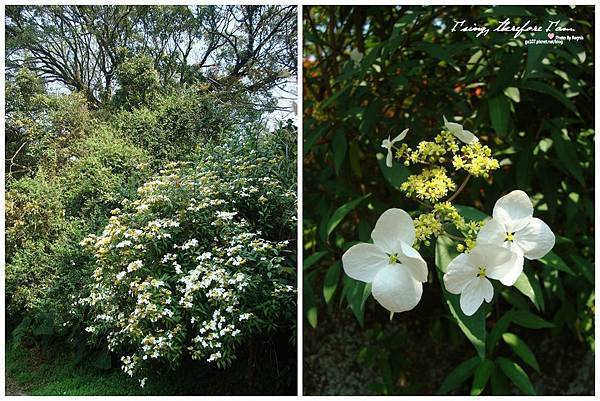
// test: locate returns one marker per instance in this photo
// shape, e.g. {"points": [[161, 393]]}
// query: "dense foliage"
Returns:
{"points": [[369, 73], [123, 136]]}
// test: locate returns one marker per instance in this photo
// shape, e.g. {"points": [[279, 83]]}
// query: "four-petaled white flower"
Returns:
{"points": [[458, 131], [356, 56], [468, 275], [388, 144], [514, 227], [394, 268]]}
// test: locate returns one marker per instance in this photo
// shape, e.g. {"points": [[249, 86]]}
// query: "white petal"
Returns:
{"points": [[500, 262], [363, 261], [460, 272], [386, 143], [492, 257], [474, 293], [535, 239], [466, 136], [395, 289], [393, 227], [493, 232], [412, 260], [389, 158], [515, 266], [514, 210], [401, 136]]}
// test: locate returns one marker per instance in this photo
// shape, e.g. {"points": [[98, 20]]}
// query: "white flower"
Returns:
{"points": [[120, 276], [394, 268], [123, 244], [135, 265], [143, 381], [468, 275], [387, 144], [458, 131], [514, 227], [356, 56]]}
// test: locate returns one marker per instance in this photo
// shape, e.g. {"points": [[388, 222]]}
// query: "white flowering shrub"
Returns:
{"points": [[200, 262]]}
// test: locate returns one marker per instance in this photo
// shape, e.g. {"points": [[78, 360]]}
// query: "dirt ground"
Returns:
{"points": [[332, 365]]}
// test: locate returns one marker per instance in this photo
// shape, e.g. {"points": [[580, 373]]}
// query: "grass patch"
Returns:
{"points": [[53, 371]]}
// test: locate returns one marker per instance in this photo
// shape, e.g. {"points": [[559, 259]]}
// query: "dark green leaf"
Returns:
{"points": [[481, 376], [521, 349], [529, 285], [459, 375], [496, 332], [529, 320], [341, 212], [314, 258], [499, 114], [339, 146], [554, 261], [516, 374], [332, 278]]}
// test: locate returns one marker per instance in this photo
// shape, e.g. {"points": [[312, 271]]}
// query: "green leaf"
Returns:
{"points": [[310, 306], [529, 285], [529, 320], [470, 213], [355, 295], [556, 262], [499, 114], [500, 384], [312, 137], [394, 175], [459, 375], [481, 377], [330, 283], [565, 150], [535, 54], [497, 331], [521, 349], [513, 94], [354, 155], [341, 212], [549, 90], [339, 145], [516, 374], [312, 259], [584, 266], [333, 98], [472, 326]]}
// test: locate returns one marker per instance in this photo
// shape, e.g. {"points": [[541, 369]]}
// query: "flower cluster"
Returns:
{"points": [[493, 249], [435, 182], [196, 264]]}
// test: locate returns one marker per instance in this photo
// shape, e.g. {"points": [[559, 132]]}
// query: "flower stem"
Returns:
{"points": [[459, 190]]}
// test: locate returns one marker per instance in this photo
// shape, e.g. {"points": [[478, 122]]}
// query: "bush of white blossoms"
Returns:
{"points": [[495, 249], [200, 262]]}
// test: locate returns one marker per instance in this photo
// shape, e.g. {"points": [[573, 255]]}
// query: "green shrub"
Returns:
{"points": [[174, 125], [49, 213], [138, 81], [200, 262]]}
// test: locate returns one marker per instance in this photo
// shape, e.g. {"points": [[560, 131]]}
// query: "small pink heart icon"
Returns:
{"points": [[551, 36]]}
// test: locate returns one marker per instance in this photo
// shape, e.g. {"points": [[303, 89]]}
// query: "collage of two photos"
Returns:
{"points": [[299, 200]]}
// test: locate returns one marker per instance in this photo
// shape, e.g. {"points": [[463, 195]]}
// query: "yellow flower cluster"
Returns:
{"points": [[476, 160], [429, 152], [431, 184], [426, 225]]}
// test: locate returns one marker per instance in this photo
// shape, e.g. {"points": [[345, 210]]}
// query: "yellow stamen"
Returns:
{"points": [[481, 272]]}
